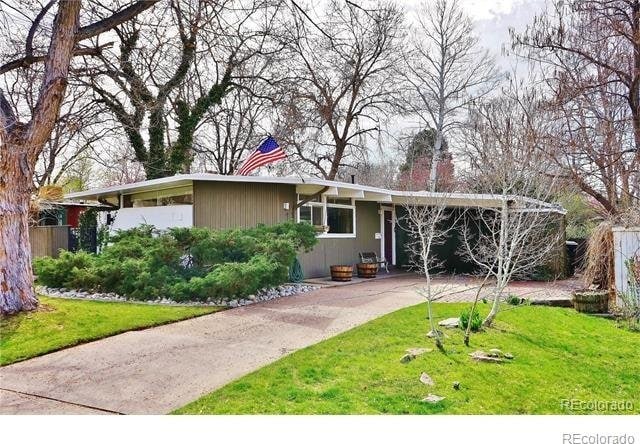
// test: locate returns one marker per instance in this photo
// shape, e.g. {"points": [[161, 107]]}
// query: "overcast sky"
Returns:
{"points": [[493, 18]]}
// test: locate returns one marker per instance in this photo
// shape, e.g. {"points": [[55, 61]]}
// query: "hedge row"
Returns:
{"points": [[182, 264]]}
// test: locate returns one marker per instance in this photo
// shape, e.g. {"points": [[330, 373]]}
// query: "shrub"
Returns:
{"points": [[183, 263], [60, 272], [629, 309], [476, 321], [513, 299], [296, 273]]}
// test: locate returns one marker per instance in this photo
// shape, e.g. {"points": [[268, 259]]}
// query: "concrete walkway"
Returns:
{"points": [[157, 370]]}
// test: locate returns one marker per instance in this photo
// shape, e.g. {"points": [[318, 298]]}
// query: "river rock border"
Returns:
{"points": [[263, 295]]}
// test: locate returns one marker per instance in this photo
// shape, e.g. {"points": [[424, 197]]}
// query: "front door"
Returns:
{"points": [[388, 235]]}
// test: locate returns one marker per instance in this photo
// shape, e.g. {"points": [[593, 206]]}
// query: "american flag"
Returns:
{"points": [[268, 151]]}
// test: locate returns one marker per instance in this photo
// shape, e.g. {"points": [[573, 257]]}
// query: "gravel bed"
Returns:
{"points": [[266, 294]]}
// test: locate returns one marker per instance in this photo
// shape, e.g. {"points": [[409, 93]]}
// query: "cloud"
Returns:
{"points": [[492, 25]]}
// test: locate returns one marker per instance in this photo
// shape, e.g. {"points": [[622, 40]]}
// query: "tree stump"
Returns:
{"points": [[591, 301]]}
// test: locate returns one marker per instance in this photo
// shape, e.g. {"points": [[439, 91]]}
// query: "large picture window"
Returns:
{"points": [[340, 220], [334, 217]]}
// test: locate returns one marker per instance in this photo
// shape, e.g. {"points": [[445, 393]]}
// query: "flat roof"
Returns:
{"points": [[311, 185]]}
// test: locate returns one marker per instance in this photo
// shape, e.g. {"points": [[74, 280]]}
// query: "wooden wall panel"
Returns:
{"points": [[344, 251], [222, 205], [48, 240]]}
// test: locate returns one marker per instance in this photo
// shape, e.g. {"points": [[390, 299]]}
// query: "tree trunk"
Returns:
{"points": [[337, 158], [16, 275], [502, 266], [435, 158]]}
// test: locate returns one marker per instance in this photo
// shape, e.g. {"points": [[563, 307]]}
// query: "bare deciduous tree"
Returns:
{"points": [[136, 78], [589, 51], [502, 142], [80, 125], [342, 79], [230, 131], [426, 227], [151, 83], [446, 71], [21, 142]]}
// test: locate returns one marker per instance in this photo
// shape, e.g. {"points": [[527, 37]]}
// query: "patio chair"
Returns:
{"points": [[370, 257]]}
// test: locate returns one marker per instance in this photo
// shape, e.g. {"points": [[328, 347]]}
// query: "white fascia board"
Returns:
{"points": [[311, 185], [147, 185], [308, 189], [348, 193], [377, 197], [331, 192]]}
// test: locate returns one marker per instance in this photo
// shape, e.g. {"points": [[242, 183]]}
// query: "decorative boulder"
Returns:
{"points": [[481, 356], [450, 323], [433, 399], [426, 379]]}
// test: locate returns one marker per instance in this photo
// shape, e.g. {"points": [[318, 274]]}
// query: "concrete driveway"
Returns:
{"points": [[160, 369], [157, 370]]}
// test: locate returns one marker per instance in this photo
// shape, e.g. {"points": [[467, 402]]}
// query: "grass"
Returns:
{"points": [[60, 323], [559, 354]]}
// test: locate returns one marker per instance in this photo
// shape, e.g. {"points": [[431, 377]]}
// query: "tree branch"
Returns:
{"points": [[116, 19], [7, 118], [82, 34]]}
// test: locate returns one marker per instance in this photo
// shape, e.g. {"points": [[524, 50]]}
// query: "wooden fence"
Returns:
{"points": [[626, 241], [48, 240]]}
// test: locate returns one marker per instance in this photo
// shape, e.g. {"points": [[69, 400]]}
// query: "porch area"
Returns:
{"points": [[460, 288]]}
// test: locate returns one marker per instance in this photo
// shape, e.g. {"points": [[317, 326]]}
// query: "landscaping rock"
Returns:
{"points": [[418, 351], [508, 356], [266, 294], [434, 333], [495, 353], [450, 323], [426, 379], [433, 399], [407, 358], [456, 385], [481, 356]]}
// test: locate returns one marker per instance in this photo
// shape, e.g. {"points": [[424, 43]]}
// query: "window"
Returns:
{"points": [[340, 220], [314, 214], [160, 198], [335, 215], [339, 200]]}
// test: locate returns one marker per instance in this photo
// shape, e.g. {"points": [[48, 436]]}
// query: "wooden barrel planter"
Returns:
{"points": [[591, 301], [367, 271], [341, 273]]}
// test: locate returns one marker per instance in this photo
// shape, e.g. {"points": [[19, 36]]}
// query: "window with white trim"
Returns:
{"points": [[160, 198], [341, 216], [333, 217]]}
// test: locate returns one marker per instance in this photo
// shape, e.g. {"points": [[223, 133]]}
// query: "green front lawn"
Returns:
{"points": [[559, 354], [60, 323]]}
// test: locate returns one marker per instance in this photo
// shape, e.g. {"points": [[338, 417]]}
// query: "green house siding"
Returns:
{"points": [[337, 251], [450, 253], [222, 205]]}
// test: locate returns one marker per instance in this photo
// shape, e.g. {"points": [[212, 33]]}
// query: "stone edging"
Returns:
{"points": [[263, 295]]}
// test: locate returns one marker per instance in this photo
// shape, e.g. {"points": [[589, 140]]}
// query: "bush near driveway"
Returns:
{"points": [[182, 263]]}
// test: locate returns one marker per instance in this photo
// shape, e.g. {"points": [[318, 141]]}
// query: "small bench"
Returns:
{"points": [[370, 257]]}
